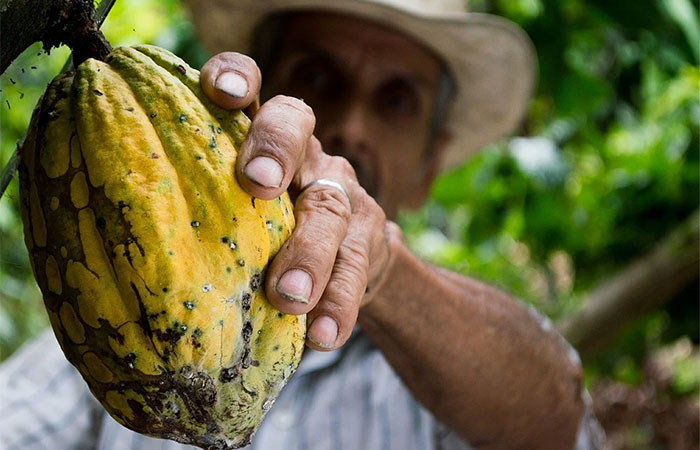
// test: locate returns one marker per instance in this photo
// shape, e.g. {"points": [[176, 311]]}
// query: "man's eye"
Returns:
{"points": [[398, 99], [310, 78]]}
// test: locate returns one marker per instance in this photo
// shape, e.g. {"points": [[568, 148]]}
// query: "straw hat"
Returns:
{"points": [[491, 59]]}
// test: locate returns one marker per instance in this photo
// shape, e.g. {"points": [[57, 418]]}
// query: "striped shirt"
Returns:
{"points": [[348, 399]]}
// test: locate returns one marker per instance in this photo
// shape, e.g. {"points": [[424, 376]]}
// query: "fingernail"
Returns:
{"points": [[323, 332], [264, 171], [295, 285], [232, 84]]}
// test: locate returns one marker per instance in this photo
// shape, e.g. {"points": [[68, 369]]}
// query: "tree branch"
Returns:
{"points": [[640, 288], [54, 22]]}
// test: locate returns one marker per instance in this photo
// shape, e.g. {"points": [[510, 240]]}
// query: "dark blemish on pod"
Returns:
{"points": [[170, 252], [259, 332], [279, 228], [183, 328], [152, 115], [241, 263], [154, 156], [98, 92], [165, 289], [268, 224], [221, 323], [194, 224], [228, 374], [173, 408], [198, 157], [189, 305], [252, 201], [12, 81], [8, 104], [21, 95], [234, 219], [255, 282], [181, 69], [232, 246], [247, 331], [212, 143], [22, 69], [182, 118], [259, 308], [101, 223], [224, 240], [245, 302], [219, 130], [206, 287], [228, 270], [211, 127], [275, 348], [130, 359], [255, 363], [280, 315], [197, 332], [129, 108]]}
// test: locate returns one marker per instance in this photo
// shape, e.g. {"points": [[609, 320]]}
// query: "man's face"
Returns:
{"points": [[372, 90]]}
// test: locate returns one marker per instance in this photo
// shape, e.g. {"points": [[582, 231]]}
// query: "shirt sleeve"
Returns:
{"points": [[44, 402]]}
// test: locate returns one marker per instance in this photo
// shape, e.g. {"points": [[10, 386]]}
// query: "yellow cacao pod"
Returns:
{"points": [[150, 256]]}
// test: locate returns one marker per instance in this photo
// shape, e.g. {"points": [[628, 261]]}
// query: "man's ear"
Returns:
{"points": [[431, 168]]}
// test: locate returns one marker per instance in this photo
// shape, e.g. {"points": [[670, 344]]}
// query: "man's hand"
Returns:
{"points": [[339, 246]]}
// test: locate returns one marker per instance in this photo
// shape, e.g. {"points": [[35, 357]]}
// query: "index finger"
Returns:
{"points": [[270, 156], [231, 80]]}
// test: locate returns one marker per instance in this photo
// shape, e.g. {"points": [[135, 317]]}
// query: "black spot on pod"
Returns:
{"points": [[101, 223], [152, 115], [130, 359], [181, 69], [252, 201], [224, 239], [245, 302], [182, 118], [247, 331], [255, 282], [197, 332], [228, 374], [194, 224], [189, 305], [98, 92], [241, 263]]}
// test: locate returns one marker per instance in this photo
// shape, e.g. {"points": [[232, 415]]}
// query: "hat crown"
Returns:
{"points": [[426, 7]]}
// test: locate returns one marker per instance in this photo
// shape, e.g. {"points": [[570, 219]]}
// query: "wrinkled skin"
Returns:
{"points": [[479, 361]]}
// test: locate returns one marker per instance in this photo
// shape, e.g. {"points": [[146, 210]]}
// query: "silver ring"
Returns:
{"points": [[329, 183]]}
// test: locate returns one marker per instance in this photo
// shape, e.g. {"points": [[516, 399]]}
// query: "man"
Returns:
{"points": [[439, 361]]}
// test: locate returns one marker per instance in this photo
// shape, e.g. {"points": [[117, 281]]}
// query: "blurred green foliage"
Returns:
{"points": [[605, 165]]}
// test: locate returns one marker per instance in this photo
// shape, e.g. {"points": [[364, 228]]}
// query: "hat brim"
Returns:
{"points": [[491, 59]]}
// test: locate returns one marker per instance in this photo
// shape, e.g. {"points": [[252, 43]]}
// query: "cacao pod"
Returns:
{"points": [[150, 256]]}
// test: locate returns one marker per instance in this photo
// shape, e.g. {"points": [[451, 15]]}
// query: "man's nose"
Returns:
{"points": [[347, 131]]}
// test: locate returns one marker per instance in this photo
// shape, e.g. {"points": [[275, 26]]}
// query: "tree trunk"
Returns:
{"points": [[642, 287]]}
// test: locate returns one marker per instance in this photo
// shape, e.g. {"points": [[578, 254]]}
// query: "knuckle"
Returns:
{"points": [[330, 202], [298, 107]]}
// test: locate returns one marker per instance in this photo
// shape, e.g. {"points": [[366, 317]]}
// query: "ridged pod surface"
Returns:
{"points": [[150, 256]]}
